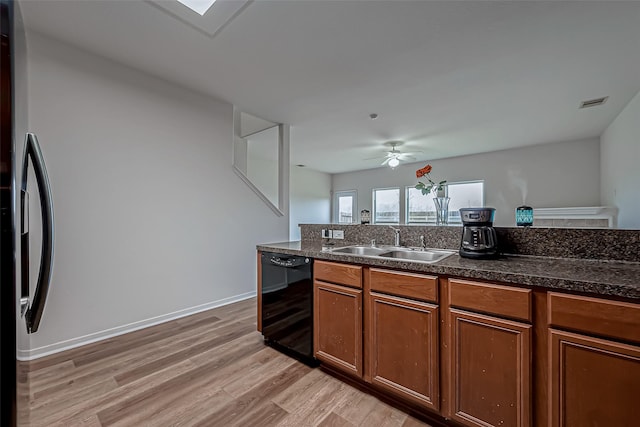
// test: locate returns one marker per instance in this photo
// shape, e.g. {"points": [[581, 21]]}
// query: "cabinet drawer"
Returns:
{"points": [[408, 285], [489, 298], [595, 316], [333, 272]]}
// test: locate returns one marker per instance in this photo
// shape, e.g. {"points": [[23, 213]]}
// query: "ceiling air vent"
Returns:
{"points": [[593, 102]]}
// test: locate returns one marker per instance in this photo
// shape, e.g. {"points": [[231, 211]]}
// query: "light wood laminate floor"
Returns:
{"points": [[208, 369]]}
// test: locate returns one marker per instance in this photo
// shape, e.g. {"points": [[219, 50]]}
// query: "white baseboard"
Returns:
{"points": [[47, 350]]}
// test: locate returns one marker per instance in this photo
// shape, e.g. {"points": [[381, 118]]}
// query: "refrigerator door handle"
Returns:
{"points": [[34, 312], [24, 245]]}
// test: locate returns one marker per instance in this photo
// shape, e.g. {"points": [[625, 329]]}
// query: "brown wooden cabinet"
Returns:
{"points": [[593, 380], [464, 349], [404, 347], [489, 357], [401, 331], [338, 316], [490, 380]]}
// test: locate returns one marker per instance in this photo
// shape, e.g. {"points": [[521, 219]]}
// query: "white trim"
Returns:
{"points": [[609, 213], [584, 211], [283, 164], [47, 350]]}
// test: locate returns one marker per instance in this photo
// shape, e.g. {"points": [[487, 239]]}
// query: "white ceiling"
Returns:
{"points": [[447, 77]]}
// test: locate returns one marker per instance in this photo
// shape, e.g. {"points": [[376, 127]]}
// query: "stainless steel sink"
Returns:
{"points": [[360, 250], [429, 255], [409, 254]]}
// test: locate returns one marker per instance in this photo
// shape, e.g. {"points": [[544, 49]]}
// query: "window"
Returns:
{"points": [[464, 195], [420, 208], [386, 205], [344, 207]]}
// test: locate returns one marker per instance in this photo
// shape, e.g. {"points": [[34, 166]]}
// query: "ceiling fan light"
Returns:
{"points": [[394, 162]]}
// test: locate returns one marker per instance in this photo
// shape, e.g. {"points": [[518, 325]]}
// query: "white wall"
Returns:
{"points": [[563, 174], [310, 200], [262, 161], [150, 217], [620, 157], [263, 173]]}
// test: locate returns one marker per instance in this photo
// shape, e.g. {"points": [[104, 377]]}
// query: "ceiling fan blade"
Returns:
{"points": [[387, 156], [411, 153], [394, 154]]}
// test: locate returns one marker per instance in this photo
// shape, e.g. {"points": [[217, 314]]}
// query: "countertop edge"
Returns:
{"points": [[516, 273]]}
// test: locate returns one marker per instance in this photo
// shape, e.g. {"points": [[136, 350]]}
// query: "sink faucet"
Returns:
{"points": [[396, 241], [423, 245]]}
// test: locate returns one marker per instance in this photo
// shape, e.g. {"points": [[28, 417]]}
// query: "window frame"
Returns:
{"points": [[454, 220], [406, 207], [373, 205], [354, 206], [458, 220]]}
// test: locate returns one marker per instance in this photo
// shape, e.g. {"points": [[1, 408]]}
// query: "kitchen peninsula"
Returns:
{"points": [[520, 341]]}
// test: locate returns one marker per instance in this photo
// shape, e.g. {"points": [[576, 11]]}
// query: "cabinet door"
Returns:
{"points": [[490, 377], [594, 382], [404, 348], [338, 326]]}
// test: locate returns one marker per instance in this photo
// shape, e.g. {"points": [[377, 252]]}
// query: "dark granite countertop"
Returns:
{"points": [[605, 278]]}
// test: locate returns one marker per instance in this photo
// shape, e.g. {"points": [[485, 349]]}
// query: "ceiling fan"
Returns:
{"points": [[394, 157]]}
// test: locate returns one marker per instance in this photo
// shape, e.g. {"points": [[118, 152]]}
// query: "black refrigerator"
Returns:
{"points": [[25, 196]]}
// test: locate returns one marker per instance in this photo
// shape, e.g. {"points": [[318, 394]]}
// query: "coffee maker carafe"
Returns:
{"points": [[478, 235]]}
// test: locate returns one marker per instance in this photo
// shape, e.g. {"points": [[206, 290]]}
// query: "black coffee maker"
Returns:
{"points": [[478, 235]]}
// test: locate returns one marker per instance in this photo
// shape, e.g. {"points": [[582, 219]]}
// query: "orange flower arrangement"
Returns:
{"points": [[432, 185], [422, 172]]}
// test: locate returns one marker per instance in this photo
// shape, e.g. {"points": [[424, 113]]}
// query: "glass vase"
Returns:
{"points": [[442, 210]]}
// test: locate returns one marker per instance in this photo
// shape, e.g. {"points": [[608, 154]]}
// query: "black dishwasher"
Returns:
{"points": [[287, 304]]}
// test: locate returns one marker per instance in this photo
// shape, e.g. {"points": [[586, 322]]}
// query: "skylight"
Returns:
{"points": [[199, 6]]}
